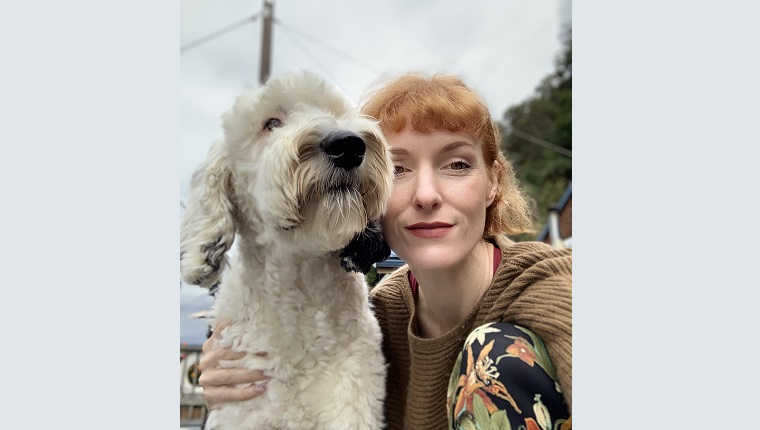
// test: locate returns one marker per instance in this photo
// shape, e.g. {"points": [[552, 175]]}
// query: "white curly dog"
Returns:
{"points": [[299, 180]]}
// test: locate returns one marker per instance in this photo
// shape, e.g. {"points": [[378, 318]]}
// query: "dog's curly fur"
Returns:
{"points": [[299, 180]]}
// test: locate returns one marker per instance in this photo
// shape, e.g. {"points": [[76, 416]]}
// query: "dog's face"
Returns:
{"points": [[306, 166], [298, 167]]}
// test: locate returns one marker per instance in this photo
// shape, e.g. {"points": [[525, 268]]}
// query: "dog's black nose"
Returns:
{"points": [[345, 149]]}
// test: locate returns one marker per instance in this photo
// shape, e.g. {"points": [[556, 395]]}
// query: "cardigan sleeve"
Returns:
{"points": [[545, 307]]}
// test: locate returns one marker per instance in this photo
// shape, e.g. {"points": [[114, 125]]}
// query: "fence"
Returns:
{"points": [[192, 408]]}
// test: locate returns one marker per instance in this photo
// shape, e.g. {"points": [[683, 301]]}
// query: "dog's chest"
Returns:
{"points": [[293, 304]]}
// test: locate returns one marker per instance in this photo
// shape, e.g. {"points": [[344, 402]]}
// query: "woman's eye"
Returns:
{"points": [[459, 165], [272, 123], [397, 170]]}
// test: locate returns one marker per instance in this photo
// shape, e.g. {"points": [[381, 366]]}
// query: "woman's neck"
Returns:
{"points": [[447, 296]]}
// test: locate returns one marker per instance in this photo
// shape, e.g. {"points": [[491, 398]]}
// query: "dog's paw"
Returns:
{"points": [[214, 254], [205, 267], [365, 249]]}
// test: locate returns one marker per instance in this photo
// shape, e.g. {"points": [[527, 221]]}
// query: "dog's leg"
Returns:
{"points": [[365, 249]]}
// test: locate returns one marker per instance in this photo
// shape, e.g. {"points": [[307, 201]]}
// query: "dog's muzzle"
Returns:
{"points": [[345, 149]]}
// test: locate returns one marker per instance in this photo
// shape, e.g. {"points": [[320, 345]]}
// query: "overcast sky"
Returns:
{"points": [[502, 49]]}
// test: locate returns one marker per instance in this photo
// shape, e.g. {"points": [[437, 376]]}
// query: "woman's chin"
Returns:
{"points": [[435, 258]]}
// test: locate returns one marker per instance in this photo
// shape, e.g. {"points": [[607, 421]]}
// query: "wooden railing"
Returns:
{"points": [[192, 408]]}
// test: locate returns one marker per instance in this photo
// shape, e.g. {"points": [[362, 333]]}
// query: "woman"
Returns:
{"points": [[495, 312], [454, 199]]}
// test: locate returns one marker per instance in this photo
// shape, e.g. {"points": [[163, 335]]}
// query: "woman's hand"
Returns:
{"points": [[227, 384]]}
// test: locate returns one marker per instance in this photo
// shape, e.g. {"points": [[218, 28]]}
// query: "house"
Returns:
{"points": [[388, 265]]}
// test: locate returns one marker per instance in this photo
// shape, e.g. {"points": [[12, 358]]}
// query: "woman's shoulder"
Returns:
{"points": [[392, 285], [531, 249], [527, 247], [392, 295]]}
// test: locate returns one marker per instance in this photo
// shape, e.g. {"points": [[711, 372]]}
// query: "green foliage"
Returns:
{"points": [[371, 277], [547, 115]]}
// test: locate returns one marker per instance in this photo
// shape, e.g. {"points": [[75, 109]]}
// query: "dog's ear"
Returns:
{"points": [[365, 249], [207, 229]]}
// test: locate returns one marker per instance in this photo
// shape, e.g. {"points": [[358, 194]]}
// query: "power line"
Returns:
{"points": [[345, 56], [540, 142], [218, 33], [312, 56]]}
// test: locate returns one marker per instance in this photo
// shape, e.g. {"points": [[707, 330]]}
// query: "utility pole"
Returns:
{"points": [[266, 41]]}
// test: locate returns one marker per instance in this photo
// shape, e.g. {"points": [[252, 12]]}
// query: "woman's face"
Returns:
{"points": [[441, 189]]}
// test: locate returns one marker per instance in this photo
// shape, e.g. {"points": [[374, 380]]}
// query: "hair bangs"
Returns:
{"points": [[440, 102]]}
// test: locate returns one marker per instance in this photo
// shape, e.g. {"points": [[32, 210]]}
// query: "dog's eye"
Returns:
{"points": [[272, 123]]}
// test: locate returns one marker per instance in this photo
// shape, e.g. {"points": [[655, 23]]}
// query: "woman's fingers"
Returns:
{"points": [[227, 384], [215, 396], [232, 376], [216, 334], [210, 359], [223, 385]]}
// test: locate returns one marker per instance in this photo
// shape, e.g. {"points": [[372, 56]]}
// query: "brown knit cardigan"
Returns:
{"points": [[532, 287]]}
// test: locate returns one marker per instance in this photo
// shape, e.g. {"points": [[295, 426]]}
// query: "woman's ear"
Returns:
{"points": [[493, 178]]}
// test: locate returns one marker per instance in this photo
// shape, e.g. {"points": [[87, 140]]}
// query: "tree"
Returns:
{"points": [[537, 135], [372, 277]]}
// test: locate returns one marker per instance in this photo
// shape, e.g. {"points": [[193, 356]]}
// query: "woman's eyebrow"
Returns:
{"points": [[398, 152], [454, 145]]}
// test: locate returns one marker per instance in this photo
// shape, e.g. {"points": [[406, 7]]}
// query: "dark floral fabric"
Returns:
{"points": [[503, 380]]}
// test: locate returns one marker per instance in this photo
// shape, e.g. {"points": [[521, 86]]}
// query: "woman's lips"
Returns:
{"points": [[429, 230]]}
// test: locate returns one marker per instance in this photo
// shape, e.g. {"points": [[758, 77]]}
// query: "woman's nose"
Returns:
{"points": [[427, 194]]}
